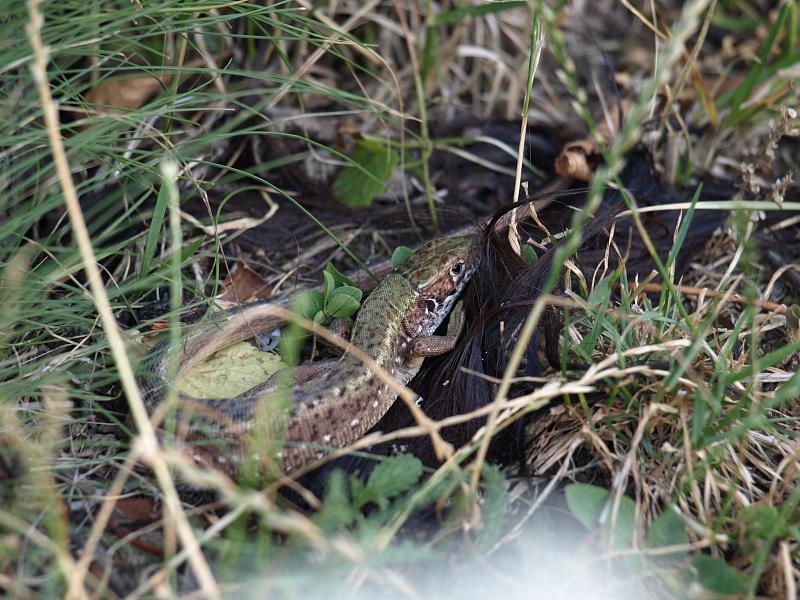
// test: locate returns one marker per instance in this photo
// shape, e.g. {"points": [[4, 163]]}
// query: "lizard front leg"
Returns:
{"points": [[434, 345]]}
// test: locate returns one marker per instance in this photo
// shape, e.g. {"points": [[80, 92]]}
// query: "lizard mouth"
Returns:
{"points": [[438, 311]]}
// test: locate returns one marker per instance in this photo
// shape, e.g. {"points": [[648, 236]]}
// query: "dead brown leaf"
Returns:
{"points": [[578, 159], [243, 285], [131, 515], [118, 96], [141, 510]]}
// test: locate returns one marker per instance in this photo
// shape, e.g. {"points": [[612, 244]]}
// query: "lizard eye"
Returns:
{"points": [[457, 269], [430, 306]]}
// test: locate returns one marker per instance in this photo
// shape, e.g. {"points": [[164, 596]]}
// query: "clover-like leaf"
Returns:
{"points": [[310, 303], [339, 278], [586, 502], [400, 254], [349, 290], [328, 284], [341, 305]]}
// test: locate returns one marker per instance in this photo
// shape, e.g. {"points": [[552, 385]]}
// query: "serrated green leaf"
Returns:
{"points": [[373, 163], [394, 476], [493, 508], [667, 530], [328, 284], [310, 303], [717, 576], [443, 487], [358, 492], [400, 254], [529, 254], [341, 305], [337, 510], [320, 317], [340, 279]]}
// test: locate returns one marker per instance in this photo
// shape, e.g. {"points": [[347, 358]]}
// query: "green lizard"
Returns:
{"points": [[334, 403]]}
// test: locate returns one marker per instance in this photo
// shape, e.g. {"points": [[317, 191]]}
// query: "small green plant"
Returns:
{"points": [[345, 499], [351, 503], [339, 298]]}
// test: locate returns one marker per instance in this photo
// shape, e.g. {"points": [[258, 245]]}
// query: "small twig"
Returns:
{"points": [[537, 41], [788, 571], [689, 290]]}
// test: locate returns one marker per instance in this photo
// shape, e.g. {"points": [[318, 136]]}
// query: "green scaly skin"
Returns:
{"points": [[394, 327]]}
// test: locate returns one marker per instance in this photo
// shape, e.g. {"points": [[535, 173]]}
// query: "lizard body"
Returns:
{"points": [[341, 400]]}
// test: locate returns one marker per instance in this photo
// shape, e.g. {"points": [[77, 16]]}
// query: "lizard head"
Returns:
{"points": [[438, 272]]}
